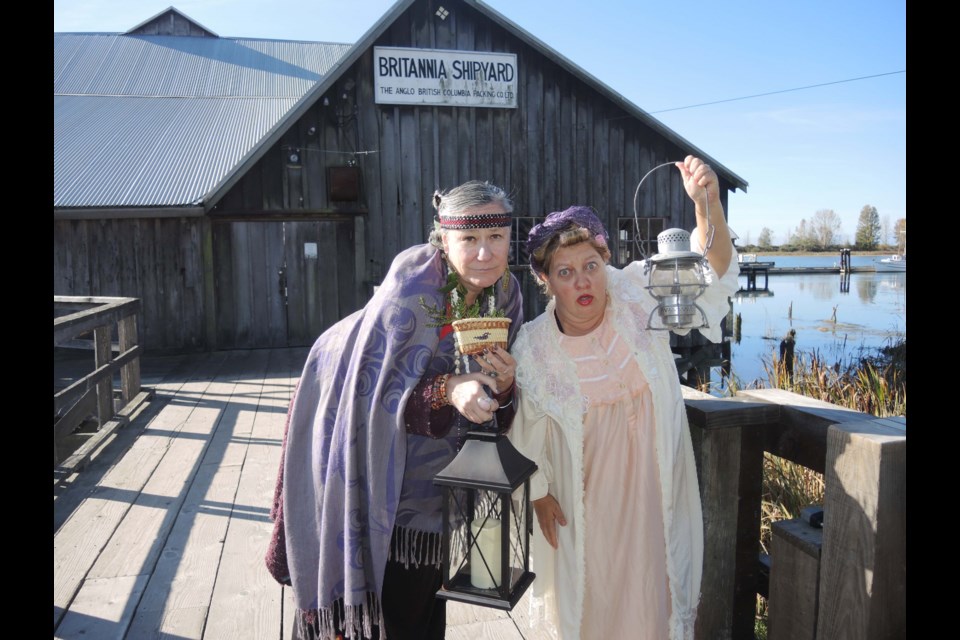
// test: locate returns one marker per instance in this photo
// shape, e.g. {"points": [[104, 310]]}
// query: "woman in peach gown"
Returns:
{"points": [[619, 548]]}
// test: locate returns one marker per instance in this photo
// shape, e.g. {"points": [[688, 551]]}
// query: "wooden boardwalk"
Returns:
{"points": [[163, 533]]}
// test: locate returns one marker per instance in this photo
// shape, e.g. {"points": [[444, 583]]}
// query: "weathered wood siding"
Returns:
{"points": [[156, 260], [564, 144]]}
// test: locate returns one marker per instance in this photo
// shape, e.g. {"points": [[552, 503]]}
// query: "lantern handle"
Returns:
{"points": [[711, 230]]}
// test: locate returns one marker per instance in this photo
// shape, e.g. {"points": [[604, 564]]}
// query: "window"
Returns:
{"points": [[627, 240], [519, 230]]}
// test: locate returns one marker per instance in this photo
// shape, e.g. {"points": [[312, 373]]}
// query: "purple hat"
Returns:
{"points": [[575, 216]]}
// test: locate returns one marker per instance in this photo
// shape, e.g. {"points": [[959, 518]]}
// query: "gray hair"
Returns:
{"points": [[468, 195]]}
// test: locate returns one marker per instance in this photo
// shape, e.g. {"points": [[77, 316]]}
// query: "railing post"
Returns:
{"points": [[728, 448], [130, 372], [102, 351], [863, 566]]}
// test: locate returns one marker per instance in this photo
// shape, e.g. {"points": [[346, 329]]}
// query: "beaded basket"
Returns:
{"points": [[473, 335]]}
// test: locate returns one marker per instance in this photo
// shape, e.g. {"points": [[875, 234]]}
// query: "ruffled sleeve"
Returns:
{"points": [[529, 436]]}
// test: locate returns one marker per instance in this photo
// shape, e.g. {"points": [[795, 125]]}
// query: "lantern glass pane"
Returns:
{"points": [[485, 526]]}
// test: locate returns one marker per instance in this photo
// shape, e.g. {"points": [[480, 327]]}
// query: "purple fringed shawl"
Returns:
{"points": [[345, 445]]}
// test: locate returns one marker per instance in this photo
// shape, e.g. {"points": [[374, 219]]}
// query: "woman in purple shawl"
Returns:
{"points": [[380, 408]]}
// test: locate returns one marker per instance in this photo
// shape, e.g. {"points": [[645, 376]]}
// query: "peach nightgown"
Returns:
{"points": [[626, 591]]}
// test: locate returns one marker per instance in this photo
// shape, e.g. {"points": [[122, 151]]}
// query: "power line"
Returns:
{"points": [[770, 93]]}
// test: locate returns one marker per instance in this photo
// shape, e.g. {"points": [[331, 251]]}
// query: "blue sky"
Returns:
{"points": [[836, 147]]}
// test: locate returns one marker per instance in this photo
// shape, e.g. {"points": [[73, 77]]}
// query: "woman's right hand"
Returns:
{"points": [[467, 395], [549, 515]]}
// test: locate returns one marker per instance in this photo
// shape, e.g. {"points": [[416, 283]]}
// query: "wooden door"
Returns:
{"points": [[248, 263], [283, 283], [321, 277]]}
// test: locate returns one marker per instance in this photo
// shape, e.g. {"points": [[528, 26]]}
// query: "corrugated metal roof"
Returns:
{"points": [[161, 120]]}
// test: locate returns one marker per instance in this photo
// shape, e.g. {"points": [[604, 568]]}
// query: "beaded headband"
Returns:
{"points": [[475, 221]]}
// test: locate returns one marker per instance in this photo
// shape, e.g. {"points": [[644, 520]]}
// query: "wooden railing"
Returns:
{"points": [[846, 581], [93, 394]]}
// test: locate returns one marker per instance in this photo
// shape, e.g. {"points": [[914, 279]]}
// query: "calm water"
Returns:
{"points": [[870, 313]]}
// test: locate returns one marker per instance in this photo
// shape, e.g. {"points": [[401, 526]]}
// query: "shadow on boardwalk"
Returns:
{"points": [[163, 532]]}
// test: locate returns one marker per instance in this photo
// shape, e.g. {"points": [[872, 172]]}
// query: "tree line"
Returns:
{"points": [[822, 232]]}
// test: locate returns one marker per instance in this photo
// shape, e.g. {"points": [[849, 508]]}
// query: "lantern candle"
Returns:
{"points": [[487, 542]]}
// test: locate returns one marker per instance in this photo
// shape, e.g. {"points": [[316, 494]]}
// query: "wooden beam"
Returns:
{"points": [[66, 396], [130, 372], [728, 449], [104, 384], [794, 580], [114, 214], [800, 435], [110, 311], [864, 564]]}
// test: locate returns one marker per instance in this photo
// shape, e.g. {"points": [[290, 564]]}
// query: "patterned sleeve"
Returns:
{"points": [[421, 419]]}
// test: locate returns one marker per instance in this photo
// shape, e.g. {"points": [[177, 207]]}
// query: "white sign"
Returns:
{"points": [[444, 77]]}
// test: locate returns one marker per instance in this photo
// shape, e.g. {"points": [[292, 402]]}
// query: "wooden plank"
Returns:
{"points": [[260, 283], [103, 608], [631, 168], [63, 232], [600, 178], [347, 302], [566, 139], [192, 325], [448, 143], [70, 491], [104, 435], [616, 186], [313, 158], [533, 162], [583, 170], [102, 310], [88, 527], [368, 123], [864, 569], [299, 296], [718, 454], [549, 140], [142, 536], [722, 413], [240, 317], [801, 433], [129, 374], [429, 171], [149, 289], [223, 266], [412, 198], [102, 352], [361, 295], [327, 279], [68, 422], [503, 629], [794, 580], [529, 628], [93, 379], [390, 189], [246, 601], [276, 327], [184, 574]]}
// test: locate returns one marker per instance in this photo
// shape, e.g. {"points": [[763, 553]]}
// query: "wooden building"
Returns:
{"points": [[252, 192]]}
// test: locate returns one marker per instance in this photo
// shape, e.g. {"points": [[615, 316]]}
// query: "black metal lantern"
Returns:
{"points": [[486, 517]]}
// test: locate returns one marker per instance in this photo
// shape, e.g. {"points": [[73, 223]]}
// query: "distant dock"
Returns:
{"points": [[751, 268]]}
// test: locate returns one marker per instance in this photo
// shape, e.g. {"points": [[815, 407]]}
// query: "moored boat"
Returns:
{"points": [[895, 263]]}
